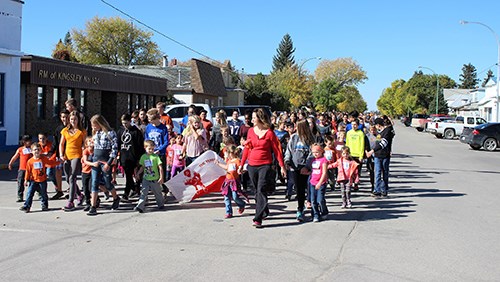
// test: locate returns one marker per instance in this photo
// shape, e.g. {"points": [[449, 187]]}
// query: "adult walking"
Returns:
{"points": [[382, 153], [297, 153], [71, 151], [260, 146]]}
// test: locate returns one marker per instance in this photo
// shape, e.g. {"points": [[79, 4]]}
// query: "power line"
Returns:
{"points": [[157, 31]]}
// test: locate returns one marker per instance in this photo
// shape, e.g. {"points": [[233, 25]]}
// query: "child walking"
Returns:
{"points": [[153, 177], [317, 183], [231, 186], [36, 178], [178, 162], [347, 175], [24, 154], [105, 153]]}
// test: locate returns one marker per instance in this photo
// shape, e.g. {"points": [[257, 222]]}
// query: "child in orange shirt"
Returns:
{"points": [[36, 177], [46, 150], [231, 186], [24, 154]]}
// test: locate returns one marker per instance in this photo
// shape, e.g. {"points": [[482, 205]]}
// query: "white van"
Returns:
{"points": [[178, 111]]}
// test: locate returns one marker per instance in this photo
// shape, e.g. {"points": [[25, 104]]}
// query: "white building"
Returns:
{"points": [[10, 71], [488, 106]]}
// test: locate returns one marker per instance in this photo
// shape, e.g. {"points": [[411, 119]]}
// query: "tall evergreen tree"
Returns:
{"points": [[489, 75], [285, 54], [468, 78]]}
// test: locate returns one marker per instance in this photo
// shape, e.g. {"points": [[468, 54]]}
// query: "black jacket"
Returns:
{"points": [[131, 145], [383, 146]]}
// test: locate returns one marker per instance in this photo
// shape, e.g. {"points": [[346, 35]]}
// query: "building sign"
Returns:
{"points": [[67, 76]]}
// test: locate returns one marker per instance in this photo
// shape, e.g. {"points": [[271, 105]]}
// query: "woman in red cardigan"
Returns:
{"points": [[259, 148]]}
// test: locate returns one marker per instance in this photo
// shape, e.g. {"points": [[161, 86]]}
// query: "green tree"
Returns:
{"points": [[289, 89], [468, 78], [489, 75], [114, 41], [325, 95], [442, 106], [257, 92], [352, 100], [284, 56]]}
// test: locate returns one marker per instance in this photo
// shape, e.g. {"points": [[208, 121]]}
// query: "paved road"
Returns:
{"points": [[440, 223]]}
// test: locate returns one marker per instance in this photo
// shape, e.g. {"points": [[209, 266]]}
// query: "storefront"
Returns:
{"points": [[47, 83]]}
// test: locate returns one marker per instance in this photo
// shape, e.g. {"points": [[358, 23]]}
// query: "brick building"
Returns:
{"points": [[47, 83]]}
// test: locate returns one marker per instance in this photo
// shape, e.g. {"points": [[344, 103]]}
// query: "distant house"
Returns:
{"points": [[10, 65], [195, 81], [487, 105], [463, 102], [235, 95]]}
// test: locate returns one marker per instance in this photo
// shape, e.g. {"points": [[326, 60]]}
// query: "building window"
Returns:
{"points": [[129, 103], [2, 97], [40, 110], [71, 94], [152, 102], [83, 100], [55, 102], [145, 102], [137, 102]]}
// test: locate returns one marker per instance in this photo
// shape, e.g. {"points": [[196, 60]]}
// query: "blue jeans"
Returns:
{"points": [[97, 173], [32, 188], [234, 196], [318, 202], [381, 175]]}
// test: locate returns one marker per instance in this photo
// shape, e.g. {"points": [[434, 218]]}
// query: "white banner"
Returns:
{"points": [[201, 177]]}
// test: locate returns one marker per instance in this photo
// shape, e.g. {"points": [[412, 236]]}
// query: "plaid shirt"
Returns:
{"points": [[105, 146]]}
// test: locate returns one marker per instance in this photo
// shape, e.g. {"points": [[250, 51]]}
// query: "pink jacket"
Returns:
{"points": [[347, 170]]}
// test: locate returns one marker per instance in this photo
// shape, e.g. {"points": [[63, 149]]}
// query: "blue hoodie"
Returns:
{"points": [[159, 135]]}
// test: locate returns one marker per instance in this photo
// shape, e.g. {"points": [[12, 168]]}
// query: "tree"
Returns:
{"points": [[284, 57], [345, 71], [325, 95], [289, 89], [64, 50], [257, 90], [468, 78], [442, 106], [489, 75], [352, 100], [114, 41]]}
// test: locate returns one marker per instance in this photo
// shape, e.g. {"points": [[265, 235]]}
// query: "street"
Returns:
{"points": [[441, 222]]}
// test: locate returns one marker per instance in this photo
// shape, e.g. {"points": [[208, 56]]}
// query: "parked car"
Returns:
{"points": [[242, 110], [429, 124], [449, 129], [485, 135], [179, 111], [418, 121]]}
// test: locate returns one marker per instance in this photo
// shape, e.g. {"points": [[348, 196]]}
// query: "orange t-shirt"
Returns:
{"points": [[36, 169], [24, 155], [166, 119], [74, 143], [46, 150], [86, 168], [232, 169]]}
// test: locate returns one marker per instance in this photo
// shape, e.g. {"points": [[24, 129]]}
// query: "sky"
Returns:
{"points": [[388, 39]]}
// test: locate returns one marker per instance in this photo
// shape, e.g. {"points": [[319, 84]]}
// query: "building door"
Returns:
{"points": [[108, 108]]}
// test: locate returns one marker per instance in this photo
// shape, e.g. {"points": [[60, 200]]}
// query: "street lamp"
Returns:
{"points": [[437, 87], [498, 62], [300, 67]]}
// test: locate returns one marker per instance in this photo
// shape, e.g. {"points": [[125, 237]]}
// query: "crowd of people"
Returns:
{"points": [[306, 151]]}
